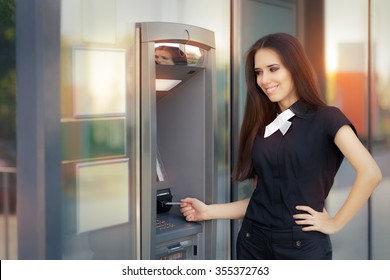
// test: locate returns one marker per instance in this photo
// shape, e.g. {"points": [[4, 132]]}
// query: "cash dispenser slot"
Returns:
{"points": [[182, 250]]}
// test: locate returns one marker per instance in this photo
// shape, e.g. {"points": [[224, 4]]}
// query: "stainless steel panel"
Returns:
{"points": [[180, 125]]}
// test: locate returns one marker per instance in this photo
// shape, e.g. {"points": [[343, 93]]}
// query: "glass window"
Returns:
{"points": [[380, 121], [347, 88], [8, 221]]}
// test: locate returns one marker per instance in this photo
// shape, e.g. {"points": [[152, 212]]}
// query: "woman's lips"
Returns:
{"points": [[270, 90]]}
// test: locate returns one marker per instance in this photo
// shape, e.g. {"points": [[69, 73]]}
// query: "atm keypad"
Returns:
{"points": [[163, 225]]}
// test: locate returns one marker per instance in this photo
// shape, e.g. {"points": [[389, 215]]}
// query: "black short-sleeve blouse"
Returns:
{"points": [[297, 168]]}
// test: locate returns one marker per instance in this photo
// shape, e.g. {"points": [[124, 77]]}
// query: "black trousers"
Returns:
{"points": [[255, 242]]}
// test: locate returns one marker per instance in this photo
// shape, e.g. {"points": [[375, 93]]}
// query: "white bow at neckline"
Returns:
{"points": [[281, 122]]}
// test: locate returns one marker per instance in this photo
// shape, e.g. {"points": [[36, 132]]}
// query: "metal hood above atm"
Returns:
{"points": [[178, 33]]}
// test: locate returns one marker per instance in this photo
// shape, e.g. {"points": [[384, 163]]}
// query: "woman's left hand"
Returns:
{"points": [[315, 221]]}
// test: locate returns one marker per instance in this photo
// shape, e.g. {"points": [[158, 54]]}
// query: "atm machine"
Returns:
{"points": [[177, 116]]}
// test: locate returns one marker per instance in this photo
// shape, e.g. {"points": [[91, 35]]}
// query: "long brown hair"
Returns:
{"points": [[259, 110]]}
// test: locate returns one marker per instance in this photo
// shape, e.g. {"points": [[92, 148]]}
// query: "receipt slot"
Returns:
{"points": [[176, 64]]}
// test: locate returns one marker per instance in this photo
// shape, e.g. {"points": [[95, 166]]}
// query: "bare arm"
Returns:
{"points": [[368, 176], [195, 210]]}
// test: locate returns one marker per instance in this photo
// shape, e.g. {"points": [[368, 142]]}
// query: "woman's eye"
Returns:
{"points": [[257, 73], [274, 69]]}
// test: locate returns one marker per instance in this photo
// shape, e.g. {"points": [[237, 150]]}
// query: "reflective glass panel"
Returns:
{"points": [[347, 88], [380, 116]]}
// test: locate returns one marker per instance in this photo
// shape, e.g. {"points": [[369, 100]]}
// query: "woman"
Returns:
{"points": [[168, 55], [292, 159]]}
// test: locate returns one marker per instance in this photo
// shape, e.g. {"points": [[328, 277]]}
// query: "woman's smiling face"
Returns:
{"points": [[274, 78]]}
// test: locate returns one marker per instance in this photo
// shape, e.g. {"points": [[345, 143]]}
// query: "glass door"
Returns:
{"points": [[380, 126], [99, 134], [249, 15]]}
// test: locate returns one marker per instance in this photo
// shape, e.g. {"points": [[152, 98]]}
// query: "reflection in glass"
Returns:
{"points": [[161, 176], [380, 115], [93, 138], [346, 60], [178, 54], [380, 85], [99, 82], [102, 194], [175, 63], [169, 55], [346, 88]]}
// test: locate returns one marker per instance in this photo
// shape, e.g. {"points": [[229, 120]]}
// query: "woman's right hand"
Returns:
{"points": [[194, 210]]}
